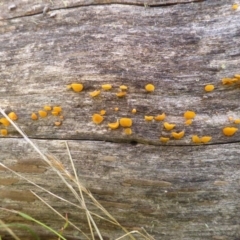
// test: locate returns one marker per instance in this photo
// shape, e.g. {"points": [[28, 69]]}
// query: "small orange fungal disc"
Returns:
{"points": [[229, 131], [58, 123], [237, 121], [114, 125], [13, 116], [4, 132], [128, 131], [235, 6], [42, 113], [47, 108], [97, 118], [149, 88], [178, 135], [227, 81], [160, 117], [77, 87], [5, 122], [57, 109], [196, 139], [188, 122], [148, 118], [34, 116], [123, 87], [121, 94], [206, 139], [168, 126], [164, 139], [106, 86], [237, 76], [126, 122], [209, 88], [95, 93], [54, 113], [189, 114], [116, 109], [134, 110], [102, 112]]}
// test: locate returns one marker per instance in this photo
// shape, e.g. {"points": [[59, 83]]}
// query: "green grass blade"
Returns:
{"points": [[24, 215]]}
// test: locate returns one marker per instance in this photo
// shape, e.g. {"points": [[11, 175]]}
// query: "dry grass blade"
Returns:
{"points": [[9, 230], [68, 179]]}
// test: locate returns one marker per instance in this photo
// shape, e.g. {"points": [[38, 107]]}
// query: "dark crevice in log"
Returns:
{"points": [[132, 141]]}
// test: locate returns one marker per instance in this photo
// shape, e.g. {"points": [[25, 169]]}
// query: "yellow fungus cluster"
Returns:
{"points": [[4, 121], [95, 93], [231, 81], [43, 113], [204, 139]]}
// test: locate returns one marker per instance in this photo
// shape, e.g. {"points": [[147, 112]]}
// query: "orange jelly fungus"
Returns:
{"points": [[47, 108], [206, 139], [76, 87], [34, 116], [228, 81], [149, 88], [148, 118], [58, 123], [42, 113], [126, 122], [57, 109], [106, 86], [102, 112], [188, 122], [4, 132], [94, 93], [116, 109], [196, 139], [13, 116], [114, 125], [134, 110], [5, 122], [128, 131], [229, 131], [97, 118], [160, 117], [169, 126], [235, 6], [164, 139], [121, 94], [209, 88], [237, 121], [123, 87], [54, 113], [189, 114], [178, 135], [237, 76]]}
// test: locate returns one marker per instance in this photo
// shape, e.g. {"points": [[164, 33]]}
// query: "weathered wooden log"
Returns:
{"points": [[175, 190]]}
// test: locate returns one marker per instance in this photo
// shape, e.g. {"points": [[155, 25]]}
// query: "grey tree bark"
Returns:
{"points": [[177, 190]]}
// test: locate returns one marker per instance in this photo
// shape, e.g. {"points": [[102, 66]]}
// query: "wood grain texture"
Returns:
{"points": [[179, 49], [20, 8], [176, 191], [173, 192]]}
